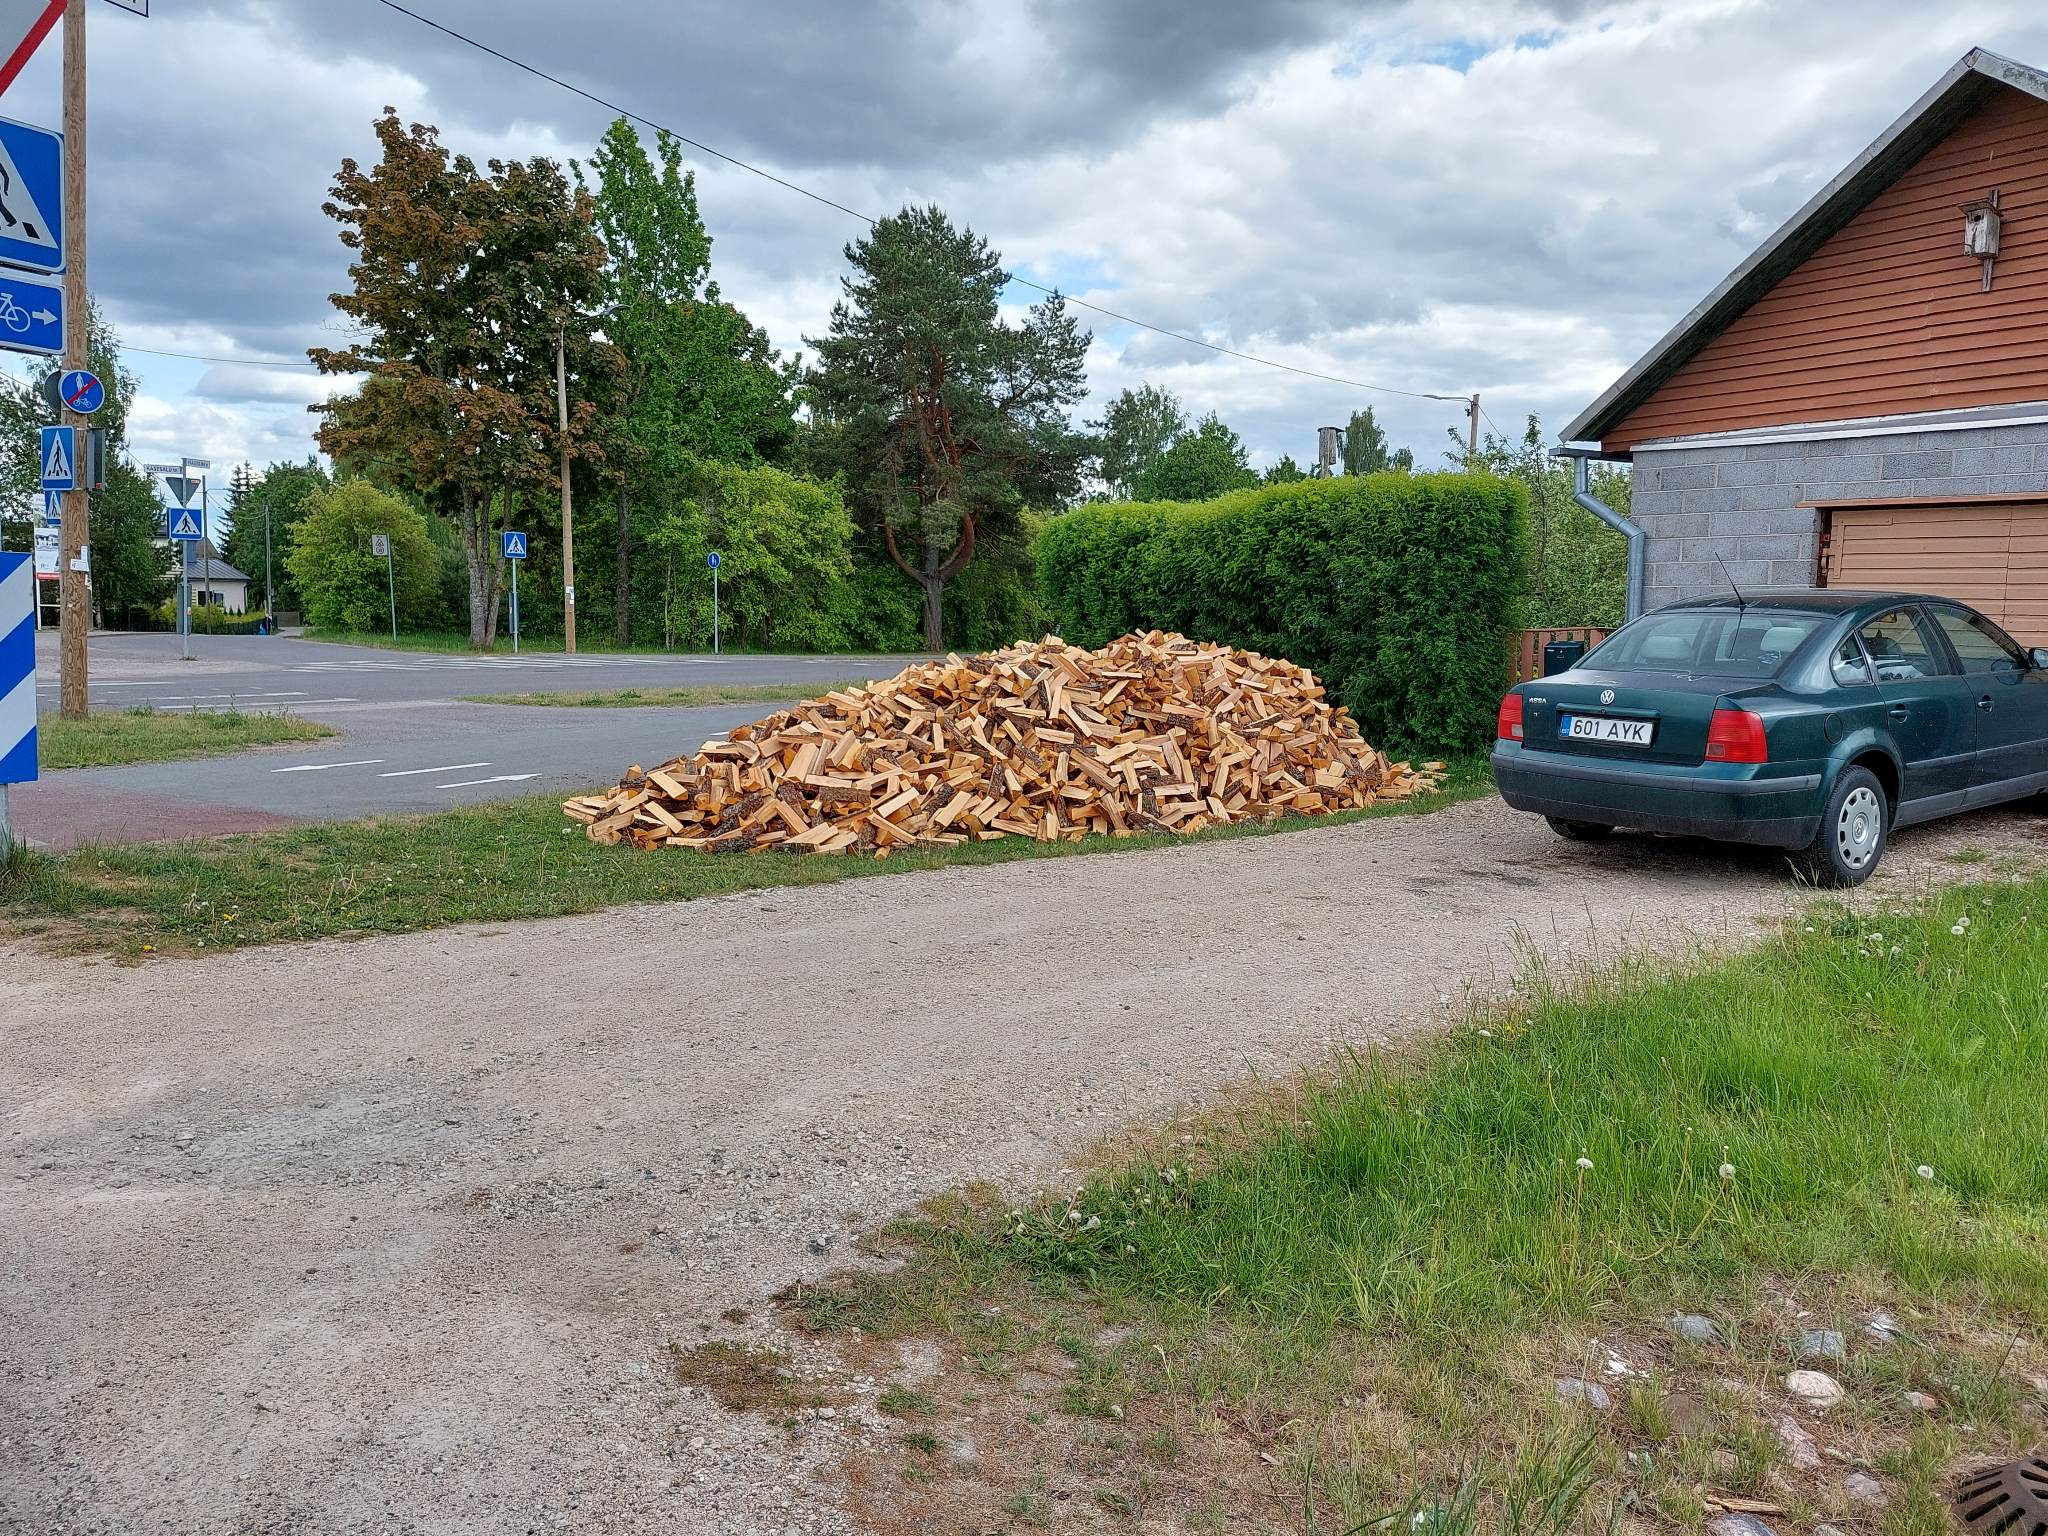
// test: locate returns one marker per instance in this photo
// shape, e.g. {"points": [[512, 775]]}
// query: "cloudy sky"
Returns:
{"points": [[1438, 197]]}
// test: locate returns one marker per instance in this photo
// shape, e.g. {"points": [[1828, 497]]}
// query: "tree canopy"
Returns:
{"points": [[1365, 447], [343, 580], [1201, 465], [1136, 428]]}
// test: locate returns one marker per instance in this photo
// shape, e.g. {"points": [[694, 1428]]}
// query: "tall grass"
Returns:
{"points": [[1872, 1086]]}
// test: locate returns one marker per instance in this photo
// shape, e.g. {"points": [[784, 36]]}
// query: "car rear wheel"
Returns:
{"points": [[1578, 831], [1853, 832]]}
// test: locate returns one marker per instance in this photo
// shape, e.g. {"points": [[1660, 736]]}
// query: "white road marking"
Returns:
{"points": [[502, 778], [358, 762], [406, 773]]}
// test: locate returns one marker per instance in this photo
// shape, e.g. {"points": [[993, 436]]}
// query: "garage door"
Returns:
{"points": [[1992, 555]]}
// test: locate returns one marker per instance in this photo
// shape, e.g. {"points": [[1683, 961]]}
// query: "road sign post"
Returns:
{"points": [[712, 558], [512, 546], [380, 544], [184, 528], [74, 615]]}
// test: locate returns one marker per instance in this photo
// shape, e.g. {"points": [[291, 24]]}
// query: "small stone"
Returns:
{"points": [[1571, 1389], [1822, 1344], [1924, 1402], [1695, 1329], [1863, 1488], [1883, 1327], [1738, 1523], [1687, 1415], [1815, 1387], [1802, 1454], [1828, 1530]]}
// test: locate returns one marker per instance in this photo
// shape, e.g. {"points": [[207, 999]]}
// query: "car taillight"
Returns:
{"points": [[1508, 727], [1736, 736]]}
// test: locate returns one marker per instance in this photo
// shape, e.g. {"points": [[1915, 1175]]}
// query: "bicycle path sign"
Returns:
{"points": [[31, 313]]}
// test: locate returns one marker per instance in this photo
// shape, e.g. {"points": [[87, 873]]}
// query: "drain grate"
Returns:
{"points": [[2011, 1500]]}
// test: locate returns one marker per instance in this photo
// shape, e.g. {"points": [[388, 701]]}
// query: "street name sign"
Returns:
{"points": [[60, 458]]}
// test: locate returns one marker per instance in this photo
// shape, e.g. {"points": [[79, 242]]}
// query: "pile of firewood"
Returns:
{"points": [[1153, 733]]}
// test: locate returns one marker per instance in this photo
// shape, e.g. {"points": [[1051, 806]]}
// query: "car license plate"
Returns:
{"points": [[1607, 729]]}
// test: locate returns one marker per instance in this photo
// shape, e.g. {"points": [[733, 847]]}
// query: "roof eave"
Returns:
{"points": [[1917, 130]]}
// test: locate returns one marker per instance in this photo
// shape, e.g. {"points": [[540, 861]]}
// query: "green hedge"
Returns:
{"points": [[1399, 591]]}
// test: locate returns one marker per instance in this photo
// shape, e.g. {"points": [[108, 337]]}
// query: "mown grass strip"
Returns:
{"points": [[146, 735], [487, 863], [664, 698]]}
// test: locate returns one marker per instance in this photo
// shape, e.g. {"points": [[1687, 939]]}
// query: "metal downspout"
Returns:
{"points": [[1632, 531]]}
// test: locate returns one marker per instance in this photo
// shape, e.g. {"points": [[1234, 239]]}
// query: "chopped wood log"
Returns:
{"points": [[1048, 741]]}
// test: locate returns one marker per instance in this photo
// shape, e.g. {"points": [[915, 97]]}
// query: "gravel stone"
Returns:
{"points": [[1822, 1344], [1571, 1389], [1802, 1453], [1739, 1523], [1864, 1488], [1815, 1387], [1695, 1329]]}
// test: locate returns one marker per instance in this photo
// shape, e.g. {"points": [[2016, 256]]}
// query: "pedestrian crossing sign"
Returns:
{"points": [[60, 458], [514, 545], [185, 525]]}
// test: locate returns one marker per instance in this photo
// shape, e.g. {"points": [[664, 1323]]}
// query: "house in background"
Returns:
{"points": [[1864, 401], [215, 583]]}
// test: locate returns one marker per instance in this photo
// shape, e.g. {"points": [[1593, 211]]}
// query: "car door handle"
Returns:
{"points": [[1899, 712], [1985, 703]]}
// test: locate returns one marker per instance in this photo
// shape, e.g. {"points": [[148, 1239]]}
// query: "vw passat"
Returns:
{"points": [[1811, 720]]}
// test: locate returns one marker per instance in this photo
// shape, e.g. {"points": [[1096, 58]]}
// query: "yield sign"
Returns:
{"points": [[182, 487], [23, 26]]}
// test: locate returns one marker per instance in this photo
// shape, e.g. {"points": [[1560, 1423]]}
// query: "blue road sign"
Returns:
{"points": [[53, 508], [31, 313], [186, 524], [514, 545], [82, 391], [31, 196], [713, 559], [17, 669], [60, 458]]}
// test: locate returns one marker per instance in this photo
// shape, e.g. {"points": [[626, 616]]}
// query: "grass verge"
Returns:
{"points": [[1362, 1300], [508, 860], [145, 735], [458, 644], [664, 698]]}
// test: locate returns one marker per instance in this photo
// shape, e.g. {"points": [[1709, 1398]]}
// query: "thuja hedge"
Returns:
{"points": [[1399, 591]]}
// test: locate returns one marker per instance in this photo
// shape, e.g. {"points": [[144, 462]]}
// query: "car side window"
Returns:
{"points": [[1902, 648], [1979, 644], [1851, 668]]}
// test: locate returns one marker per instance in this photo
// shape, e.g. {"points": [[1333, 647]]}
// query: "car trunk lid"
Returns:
{"points": [[1676, 706]]}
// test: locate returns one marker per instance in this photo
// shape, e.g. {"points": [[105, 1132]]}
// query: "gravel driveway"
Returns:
{"points": [[389, 1236]]}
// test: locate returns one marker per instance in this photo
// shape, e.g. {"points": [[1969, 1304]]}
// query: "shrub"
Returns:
{"points": [[344, 584], [1398, 590]]}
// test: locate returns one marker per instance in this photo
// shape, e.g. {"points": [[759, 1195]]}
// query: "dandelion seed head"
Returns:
{"points": [[1585, 1163], [1924, 1171]]}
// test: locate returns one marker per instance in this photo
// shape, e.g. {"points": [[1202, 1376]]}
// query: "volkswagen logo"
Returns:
{"points": [[1606, 695]]}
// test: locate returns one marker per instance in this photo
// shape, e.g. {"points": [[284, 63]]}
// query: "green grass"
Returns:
{"points": [[145, 735], [488, 863], [664, 698], [1422, 1237]]}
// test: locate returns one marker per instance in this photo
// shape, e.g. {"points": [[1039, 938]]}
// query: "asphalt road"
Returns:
{"points": [[407, 742]]}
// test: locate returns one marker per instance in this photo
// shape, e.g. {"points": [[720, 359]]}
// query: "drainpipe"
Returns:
{"points": [[1632, 531]]}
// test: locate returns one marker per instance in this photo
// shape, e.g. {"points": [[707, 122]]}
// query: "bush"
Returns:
{"points": [[206, 620], [1398, 590], [344, 584]]}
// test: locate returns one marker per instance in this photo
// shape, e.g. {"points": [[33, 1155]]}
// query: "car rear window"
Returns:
{"points": [[1708, 642]]}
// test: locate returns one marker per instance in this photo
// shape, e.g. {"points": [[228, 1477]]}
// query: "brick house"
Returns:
{"points": [[1864, 401]]}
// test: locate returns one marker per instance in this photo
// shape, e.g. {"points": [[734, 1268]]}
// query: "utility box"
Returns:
{"points": [[1562, 655]]}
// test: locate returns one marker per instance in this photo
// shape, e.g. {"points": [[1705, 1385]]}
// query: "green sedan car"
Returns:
{"points": [[1811, 720]]}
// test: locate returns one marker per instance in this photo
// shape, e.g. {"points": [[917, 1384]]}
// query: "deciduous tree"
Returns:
{"points": [[1365, 447], [1202, 465], [1136, 428]]}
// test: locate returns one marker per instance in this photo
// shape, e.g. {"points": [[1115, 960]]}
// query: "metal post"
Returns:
{"points": [[74, 617], [184, 599], [515, 605], [269, 596], [391, 588], [714, 610], [205, 545], [568, 529], [6, 826]]}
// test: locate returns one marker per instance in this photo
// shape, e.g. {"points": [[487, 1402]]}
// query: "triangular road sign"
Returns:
{"points": [[57, 464], [184, 525], [182, 487], [20, 218]]}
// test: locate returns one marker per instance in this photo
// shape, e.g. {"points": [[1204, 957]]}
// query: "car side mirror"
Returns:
{"points": [[2037, 658]]}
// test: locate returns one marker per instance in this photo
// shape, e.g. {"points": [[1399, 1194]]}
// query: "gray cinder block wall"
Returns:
{"points": [[1740, 500]]}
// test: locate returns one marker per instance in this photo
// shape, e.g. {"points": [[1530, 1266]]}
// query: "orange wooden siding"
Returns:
{"points": [[1990, 554], [1888, 315], [1525, 648]]}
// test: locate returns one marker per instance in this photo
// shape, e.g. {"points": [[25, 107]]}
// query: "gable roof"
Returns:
{"points": [[1925, 124]]}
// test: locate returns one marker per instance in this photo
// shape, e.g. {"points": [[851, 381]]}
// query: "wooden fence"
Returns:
{"points": [[1525, 650]]}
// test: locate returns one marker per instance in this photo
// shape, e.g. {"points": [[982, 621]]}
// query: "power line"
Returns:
{"points": [[819, 197], [196, 357]]}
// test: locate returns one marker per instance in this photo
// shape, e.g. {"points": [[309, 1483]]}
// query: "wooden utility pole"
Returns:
{"points": [[568, 530], [74, 591], [1472, 428]]}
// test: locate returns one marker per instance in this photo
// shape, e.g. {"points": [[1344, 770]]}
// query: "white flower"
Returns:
{"points": [[1585, 1163], [1091, 1224], [1958, 930], [1727, 1171], [1169, 1174], [1072, 1214], [1129, 1250], [1924, 1171]]}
